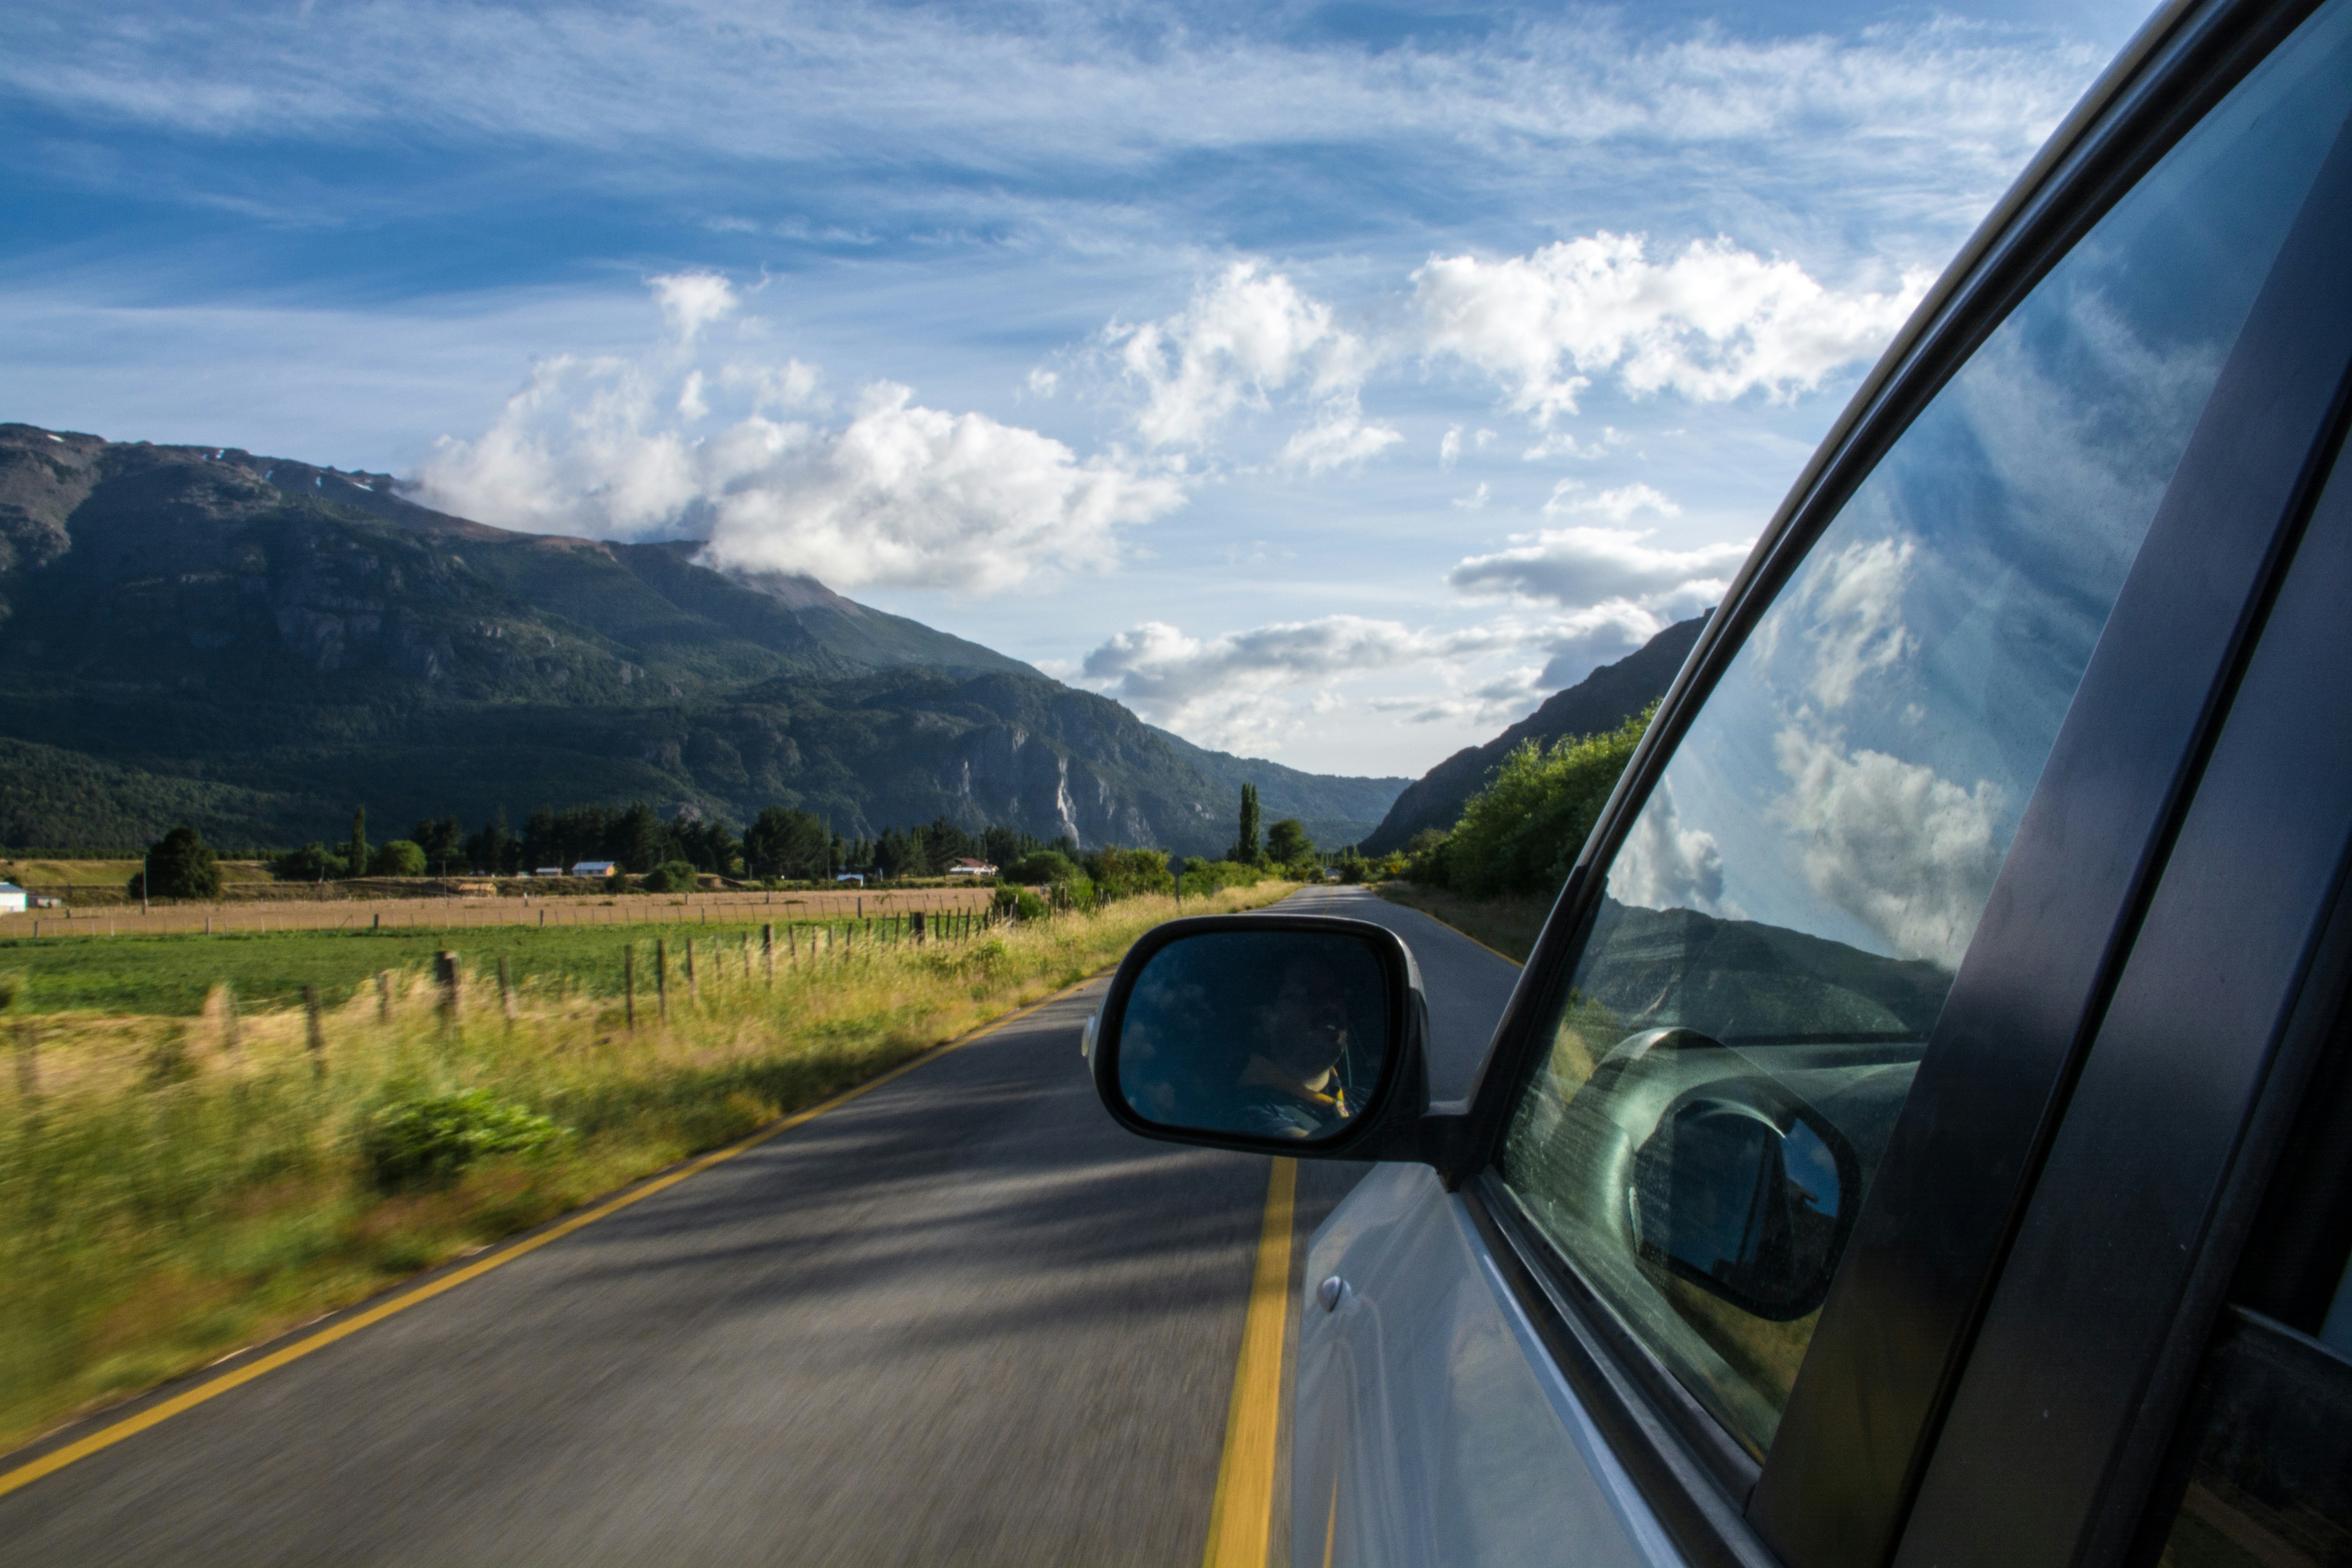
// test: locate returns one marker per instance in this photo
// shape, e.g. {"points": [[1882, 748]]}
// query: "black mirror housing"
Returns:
{"points": [[1298, 1035]]}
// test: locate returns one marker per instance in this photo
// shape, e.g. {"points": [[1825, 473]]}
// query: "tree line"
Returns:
{"points": [[781, 844]]}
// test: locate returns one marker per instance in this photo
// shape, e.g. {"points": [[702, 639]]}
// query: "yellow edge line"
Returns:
{"points": [[106, 1438], [1466, 936], [1240, 1521]]}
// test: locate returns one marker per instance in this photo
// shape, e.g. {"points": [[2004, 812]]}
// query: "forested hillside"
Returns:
{"points": [[254, 645]]}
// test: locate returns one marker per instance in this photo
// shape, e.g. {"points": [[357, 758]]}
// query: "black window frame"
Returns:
{"points": [[2223, 1013], [1864, 1417]]}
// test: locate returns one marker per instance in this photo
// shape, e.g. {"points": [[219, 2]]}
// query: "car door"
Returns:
{"points": [[1701, 1277]]}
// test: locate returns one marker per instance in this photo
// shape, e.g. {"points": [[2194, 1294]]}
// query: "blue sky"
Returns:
{"points": [[1325, 382]]}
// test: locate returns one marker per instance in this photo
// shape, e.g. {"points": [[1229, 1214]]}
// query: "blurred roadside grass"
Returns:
{"points": [[172, 1188], [1508, 922]]}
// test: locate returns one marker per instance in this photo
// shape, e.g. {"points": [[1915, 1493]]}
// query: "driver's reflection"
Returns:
{"points": [[1291, 1086]]}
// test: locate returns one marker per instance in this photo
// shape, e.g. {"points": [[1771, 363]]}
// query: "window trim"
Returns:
{"points": [[2184, 62], [2074, 1455]]}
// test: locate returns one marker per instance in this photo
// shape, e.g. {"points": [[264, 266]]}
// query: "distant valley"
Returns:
{"points": [[255, 645]]}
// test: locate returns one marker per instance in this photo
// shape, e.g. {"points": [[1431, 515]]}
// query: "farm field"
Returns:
{"points": [[170, 975], [442, 911]]}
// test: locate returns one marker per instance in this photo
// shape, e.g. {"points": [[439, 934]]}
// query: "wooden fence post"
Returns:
{"points": [[317, 1031], [768, 952], [629, 984], [661, 976], [445, 971], [383, 995], [916, 921], [28, 1060], [693, 991]]}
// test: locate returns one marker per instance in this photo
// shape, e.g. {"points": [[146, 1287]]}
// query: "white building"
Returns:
{"points": [[968, 867], [13, 899]]}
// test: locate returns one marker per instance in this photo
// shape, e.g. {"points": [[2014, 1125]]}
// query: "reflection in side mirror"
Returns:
{"points": [[1746, 1200], [1263, 1031]]}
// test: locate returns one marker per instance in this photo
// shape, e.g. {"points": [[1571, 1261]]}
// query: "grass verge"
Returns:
{"points": [[172, 1188], [1510, 924]]}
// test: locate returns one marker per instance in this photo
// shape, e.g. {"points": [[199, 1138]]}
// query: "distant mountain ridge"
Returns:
{"points": [[255, 644], [1601, 701]]}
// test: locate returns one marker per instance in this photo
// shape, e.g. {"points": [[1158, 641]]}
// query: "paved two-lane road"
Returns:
{"points": [[962, 1317]]}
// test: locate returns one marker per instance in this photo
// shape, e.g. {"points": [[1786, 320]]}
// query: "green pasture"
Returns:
{"points": [[169, 975]]}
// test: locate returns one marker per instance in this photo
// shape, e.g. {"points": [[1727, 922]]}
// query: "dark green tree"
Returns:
{"points": [[1245, 843], [311, 863], [782, 842], [1286, 843], [443, 839], [640, 840], [356, 857], [181, 865], [398, 857], [1001, 847], [494, 851]]}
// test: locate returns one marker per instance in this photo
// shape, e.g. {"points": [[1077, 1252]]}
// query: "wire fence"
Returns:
{"points": [[462, 913]]}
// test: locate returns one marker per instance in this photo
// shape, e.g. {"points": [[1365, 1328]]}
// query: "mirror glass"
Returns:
{"points": [[1268, 1034], [1742, 1203]]}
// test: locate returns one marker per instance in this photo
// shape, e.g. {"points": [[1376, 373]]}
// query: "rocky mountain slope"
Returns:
{"points": [[1602, 701], [256, 645]]}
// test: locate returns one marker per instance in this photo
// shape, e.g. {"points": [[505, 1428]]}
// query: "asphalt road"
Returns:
{"points": [[962, 1317]]}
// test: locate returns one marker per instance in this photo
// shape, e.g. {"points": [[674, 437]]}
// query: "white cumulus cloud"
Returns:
{"points": [[1710, 324], [1240, 340], [1908, 853], [1665, 865], [901, 495]]}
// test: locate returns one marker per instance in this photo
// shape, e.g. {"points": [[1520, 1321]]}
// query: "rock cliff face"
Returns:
{"points": [[1602, 701], [294, 639]]}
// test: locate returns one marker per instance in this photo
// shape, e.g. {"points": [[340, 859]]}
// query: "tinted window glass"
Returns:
{"points": [[2260, 1469], [1787, 913]]}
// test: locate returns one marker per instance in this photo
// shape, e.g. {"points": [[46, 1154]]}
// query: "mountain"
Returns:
{"points": [[1602, 701], [253, 645]]}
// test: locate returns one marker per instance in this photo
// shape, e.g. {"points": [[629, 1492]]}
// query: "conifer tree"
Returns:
{"points": [[1245, 845]]}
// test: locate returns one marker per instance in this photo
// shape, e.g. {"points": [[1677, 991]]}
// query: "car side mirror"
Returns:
{"points": [[1279, 1034], [1747, 1195]]}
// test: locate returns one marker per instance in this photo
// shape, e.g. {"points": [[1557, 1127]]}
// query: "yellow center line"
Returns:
{"points": [[1241, 1522], [155, 1414]]}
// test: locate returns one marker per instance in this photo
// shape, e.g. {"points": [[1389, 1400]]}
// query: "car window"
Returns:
{"points": [[2261, 1470], [1785, 916]]}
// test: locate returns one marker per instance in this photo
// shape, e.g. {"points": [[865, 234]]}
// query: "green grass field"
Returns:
{"points": [[169, 976]]}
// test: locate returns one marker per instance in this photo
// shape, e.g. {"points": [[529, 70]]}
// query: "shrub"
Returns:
{"points": [[399, 857], [429, 1139], [1424, 858], [1043, 865], [1124, 873], [675, 876], [1203, 878], [1521, 833], [311, 863]]}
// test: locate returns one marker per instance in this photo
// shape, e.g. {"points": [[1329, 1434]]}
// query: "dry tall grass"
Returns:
{"points": [[172, 1188]]}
